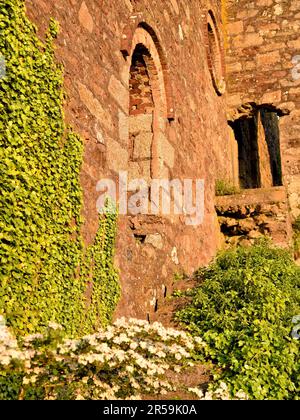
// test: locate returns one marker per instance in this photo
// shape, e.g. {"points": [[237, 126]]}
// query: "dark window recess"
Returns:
{"points": [[246, 133], [269, 121]]}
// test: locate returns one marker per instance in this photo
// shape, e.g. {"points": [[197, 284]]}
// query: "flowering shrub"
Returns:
{"points": [[127, 360], [124, 361], [219, 392]]}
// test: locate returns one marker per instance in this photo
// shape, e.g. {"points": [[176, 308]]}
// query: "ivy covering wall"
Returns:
{"points": [[45, 269]]}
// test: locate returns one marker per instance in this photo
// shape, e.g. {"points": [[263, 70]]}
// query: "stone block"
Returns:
{"points": [[142, 146], [85, 18], [246, 225], [139, 170], [268, 59], [156, 240], [141, 123], [165, 150], [95, 107], [119, 92], [235, 28], [271, 97], [247, 40], [123, 128], [117, 156]]}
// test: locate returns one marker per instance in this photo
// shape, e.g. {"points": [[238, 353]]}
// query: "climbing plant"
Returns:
{"points": [[44, 272], [99, 266]]}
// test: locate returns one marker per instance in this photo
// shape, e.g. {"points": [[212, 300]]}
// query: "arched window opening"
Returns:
{"points": [[141, 114], [151, 154]]}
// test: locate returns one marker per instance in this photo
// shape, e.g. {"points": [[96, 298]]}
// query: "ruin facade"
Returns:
{"points": [[177, 89]]}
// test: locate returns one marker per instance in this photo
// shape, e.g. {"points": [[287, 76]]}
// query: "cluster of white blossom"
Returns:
{"points": [[8, 345], [220, 393], [127, 360]]}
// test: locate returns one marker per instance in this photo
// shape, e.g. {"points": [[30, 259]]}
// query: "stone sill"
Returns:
{"points": [[253, 196]]}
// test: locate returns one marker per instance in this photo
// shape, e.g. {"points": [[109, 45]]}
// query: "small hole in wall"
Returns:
{"points": [[148, 318], [156, 306], [140, 238]]}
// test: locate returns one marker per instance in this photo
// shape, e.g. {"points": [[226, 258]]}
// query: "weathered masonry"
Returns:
{"points": [[263, 43], [197, 89]]}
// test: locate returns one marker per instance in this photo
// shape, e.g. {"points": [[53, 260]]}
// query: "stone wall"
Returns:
{"points": [[254, 214], [189, 126], [261, 68]]}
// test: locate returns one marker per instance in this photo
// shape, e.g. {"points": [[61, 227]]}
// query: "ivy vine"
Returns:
{"points": [[44, 268], [105, 289]]}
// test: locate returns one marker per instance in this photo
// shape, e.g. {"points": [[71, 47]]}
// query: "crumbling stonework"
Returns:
{"points": [[254, 214]]}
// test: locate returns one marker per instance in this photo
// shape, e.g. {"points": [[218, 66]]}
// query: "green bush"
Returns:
{"points": [[296, 229], [224, 187], [296, 225], [243, 309]]}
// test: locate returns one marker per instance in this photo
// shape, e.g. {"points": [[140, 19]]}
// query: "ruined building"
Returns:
{"points": [[183, 89]]}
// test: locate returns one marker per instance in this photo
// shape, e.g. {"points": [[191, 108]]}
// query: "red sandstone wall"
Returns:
{"points": [[263, 39], [196, 141]]}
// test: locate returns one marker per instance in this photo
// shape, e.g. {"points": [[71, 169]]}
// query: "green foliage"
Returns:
{"points": [[296, 225], [99, 264], [180, 277], [41, 199], [296, 229], [243, 309], [224, 187], [297, 242], [10, 385]]}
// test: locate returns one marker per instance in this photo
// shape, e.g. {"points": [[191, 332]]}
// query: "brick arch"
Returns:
{"points": [[139, 32], [215, 52], [145, 109], [142, 129]]}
